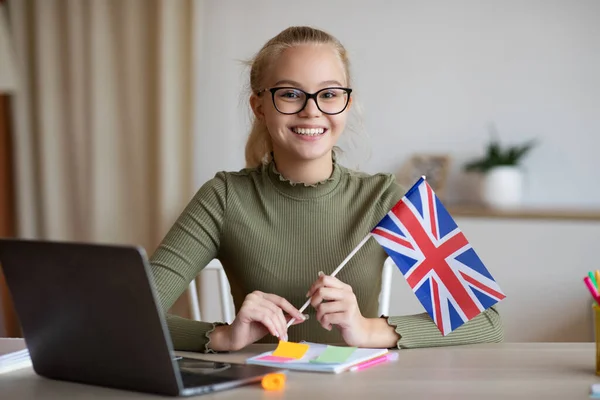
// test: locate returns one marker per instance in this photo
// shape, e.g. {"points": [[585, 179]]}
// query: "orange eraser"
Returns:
{"points": [[273, 381]]}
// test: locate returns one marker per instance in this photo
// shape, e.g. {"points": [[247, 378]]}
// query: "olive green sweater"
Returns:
{"points": [[275, 236]]}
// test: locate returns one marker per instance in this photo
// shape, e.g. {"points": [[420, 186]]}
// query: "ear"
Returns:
{"points": [[257, 107], [349, 103]]}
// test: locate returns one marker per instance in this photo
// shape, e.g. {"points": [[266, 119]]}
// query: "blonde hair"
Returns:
{"points": [[259, 146]]}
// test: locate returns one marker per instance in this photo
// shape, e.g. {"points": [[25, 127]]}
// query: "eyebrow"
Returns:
{"points": [[294, 83]]}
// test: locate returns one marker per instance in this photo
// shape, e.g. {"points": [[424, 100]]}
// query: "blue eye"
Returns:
{"points": [[331, 95], [290, 94]]}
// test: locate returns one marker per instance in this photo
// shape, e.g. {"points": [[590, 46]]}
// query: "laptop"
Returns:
{"points": [[89, 314]]}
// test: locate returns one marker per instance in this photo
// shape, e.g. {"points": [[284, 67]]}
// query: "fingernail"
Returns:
{"points": [[306, 316], [307, 294], [321, 273], [276, 334], [285, 338]]}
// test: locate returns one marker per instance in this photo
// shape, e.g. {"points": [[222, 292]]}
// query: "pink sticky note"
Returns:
{"points": [[274, 358]]}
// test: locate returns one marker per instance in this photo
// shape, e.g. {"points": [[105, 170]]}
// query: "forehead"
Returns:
{"points": [[310, 65]]}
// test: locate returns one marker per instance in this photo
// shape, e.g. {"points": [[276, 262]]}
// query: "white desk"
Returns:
{"points": [[496, 371]]}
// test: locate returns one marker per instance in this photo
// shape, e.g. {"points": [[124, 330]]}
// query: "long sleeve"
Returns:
{"points": [[188, 247], [420, 331]]}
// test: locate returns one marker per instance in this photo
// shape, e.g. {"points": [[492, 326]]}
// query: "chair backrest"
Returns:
{"points": [[386, 287], [228, 314]]}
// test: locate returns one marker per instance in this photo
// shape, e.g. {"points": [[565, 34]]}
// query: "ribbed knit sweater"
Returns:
{"points": [[274, 235]]}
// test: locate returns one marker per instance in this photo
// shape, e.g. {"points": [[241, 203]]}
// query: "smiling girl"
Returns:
{"points": [[291, 214]]}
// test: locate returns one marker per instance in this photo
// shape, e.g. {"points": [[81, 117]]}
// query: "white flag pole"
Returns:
{"points": [[334, 273]]}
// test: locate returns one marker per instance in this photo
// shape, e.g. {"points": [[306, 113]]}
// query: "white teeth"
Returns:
{"points": [[309, 132]]}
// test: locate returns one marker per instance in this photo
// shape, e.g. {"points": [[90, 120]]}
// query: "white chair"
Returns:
{"points": [[386, 287], [225, 292]]}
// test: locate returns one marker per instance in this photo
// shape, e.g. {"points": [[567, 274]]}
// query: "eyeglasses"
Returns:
{"points": [[291, 100]]}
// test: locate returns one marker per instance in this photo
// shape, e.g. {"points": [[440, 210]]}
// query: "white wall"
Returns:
{"points": [[430, 75]]}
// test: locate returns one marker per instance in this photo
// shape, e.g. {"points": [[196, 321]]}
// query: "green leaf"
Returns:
{"points": [[497, 156]]}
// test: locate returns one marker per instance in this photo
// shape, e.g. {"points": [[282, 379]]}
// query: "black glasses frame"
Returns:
{"points": [[308, 97]]}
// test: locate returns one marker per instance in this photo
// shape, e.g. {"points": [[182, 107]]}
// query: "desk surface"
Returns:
{"points": [[491, 371]]}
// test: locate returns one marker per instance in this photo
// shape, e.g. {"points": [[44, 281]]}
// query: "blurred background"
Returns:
{"points": [[113, 112]]}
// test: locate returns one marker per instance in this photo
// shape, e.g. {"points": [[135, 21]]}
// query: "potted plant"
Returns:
{"points": [[503, 177]]}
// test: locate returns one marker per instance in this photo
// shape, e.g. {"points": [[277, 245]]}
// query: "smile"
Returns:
{"points": [[308, 131]]}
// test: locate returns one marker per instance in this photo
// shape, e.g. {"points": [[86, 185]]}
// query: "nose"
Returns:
{"points": [[310, 109]]}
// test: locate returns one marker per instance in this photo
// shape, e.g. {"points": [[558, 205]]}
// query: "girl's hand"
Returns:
{"points": [[261, 313], [336, 305]]}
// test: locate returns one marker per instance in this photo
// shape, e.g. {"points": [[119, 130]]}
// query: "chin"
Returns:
{"points": [[313, 155]]}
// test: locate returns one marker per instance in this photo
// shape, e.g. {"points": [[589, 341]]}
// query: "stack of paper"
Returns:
{"points": [[305, 356], [14, 360]]}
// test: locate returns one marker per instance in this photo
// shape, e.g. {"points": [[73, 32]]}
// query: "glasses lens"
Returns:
{"points": [[332, 101], [329, 100], [288, 100]]}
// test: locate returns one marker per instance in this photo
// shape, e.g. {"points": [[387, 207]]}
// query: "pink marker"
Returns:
{"points": [[375, 361], [592, 289]]}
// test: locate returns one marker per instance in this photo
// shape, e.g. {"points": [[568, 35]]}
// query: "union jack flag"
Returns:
{"points": [[436, 259]]}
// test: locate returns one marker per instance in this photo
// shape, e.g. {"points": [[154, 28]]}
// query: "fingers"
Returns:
{"points": [[326, 293], [296, 316], [258, 308], [269, 309], [334, 305], [336, 318], [269, 324], [276, 315], [296, 321], [327, 281], [326, 309], [284, 305], [338, 308]]}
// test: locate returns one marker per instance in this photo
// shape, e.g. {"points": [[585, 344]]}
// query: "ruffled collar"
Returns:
{"points": [[291, 183], [303, 190]]}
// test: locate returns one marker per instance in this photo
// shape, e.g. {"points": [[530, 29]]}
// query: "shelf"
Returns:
{"points": [[477, 211]]}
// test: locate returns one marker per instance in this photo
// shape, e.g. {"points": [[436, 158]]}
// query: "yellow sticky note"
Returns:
{"points": [[290, 350]]}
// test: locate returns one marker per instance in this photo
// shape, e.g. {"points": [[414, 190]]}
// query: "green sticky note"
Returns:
{"points": [[334, 355]]}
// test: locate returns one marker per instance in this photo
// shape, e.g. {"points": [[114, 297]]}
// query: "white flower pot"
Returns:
{"points": [[503, 187]]}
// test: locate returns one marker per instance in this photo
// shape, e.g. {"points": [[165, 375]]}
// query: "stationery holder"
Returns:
{"points": [[597, 336]]}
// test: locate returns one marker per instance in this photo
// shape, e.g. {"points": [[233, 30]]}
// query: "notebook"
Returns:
{"points": [[315, 357]]}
